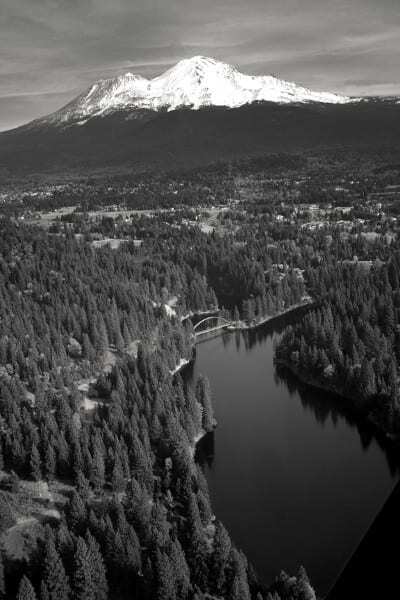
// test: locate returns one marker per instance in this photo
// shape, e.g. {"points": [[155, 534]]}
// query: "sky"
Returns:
{"points": [[51, 50]]}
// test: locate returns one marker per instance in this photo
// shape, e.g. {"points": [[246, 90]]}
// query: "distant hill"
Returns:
{"points": [[146, 139]]}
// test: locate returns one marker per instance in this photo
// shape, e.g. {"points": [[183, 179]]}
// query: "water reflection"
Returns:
{"points": [[328, 406], [255, 337], [293, 474], [205, 450]]}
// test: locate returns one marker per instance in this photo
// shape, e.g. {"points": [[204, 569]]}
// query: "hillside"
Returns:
{"points": [[186, 138]]}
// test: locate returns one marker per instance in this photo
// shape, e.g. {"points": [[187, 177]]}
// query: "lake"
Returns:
{"points": [[291, 475]]}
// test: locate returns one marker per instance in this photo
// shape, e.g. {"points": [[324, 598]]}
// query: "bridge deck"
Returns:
{"points": [[217, 328]]}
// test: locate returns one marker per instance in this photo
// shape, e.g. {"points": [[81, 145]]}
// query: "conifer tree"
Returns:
{"points": [[181, 569], [133, 550], [97, 475], [196, 547], [54, 576], [102, 342], [117, 478], [25, 590], [6, 514], [203, 394], [50, 461], [35, 463], [303, 586], [82, 486], [97, 568], [165, 580], [65, 546], [88, 350], [82, 583], [220, 558], [76, 513], [239, 589]]}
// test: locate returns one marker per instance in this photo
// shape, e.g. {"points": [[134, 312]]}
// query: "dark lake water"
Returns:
{"points": [[291, 476]]}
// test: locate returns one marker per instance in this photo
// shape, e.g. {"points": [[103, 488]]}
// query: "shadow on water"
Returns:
{"points": [[323, 406], [327, 407], [294, 473], [205, 450], [371, 573]]}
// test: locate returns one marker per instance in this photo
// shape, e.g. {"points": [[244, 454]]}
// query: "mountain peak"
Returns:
{"points": [[198, 60], [194, 83]]}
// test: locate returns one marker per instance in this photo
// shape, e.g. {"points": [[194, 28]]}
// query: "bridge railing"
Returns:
{"points": [[215, 322]]}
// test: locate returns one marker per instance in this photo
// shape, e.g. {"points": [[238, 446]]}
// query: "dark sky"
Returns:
{"points": [[50, 50]]}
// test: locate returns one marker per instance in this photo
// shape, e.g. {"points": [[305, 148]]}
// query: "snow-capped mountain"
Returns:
{"points": [[193, 83]]}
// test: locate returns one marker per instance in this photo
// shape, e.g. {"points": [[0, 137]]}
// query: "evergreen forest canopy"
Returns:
{"points": [[100, 495], [351, 342]]}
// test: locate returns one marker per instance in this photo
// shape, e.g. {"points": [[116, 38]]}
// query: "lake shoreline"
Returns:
{"points": [[267, 320], [325, 386], [271, 318], [271, 426]]}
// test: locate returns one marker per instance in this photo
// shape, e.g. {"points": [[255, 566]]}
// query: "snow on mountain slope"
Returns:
{"points": [[194, 83]]}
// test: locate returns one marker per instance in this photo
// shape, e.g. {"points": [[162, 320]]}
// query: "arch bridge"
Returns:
{"points": [[213, 323]]}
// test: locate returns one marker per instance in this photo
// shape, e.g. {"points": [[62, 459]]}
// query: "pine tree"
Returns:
{"points": [[82, 486], [82, 584], [102, 342], [97, 475], [220, 558], [25, 590], [65, 546], [165, 579], [50, 462], [132, 550], [392, 381], [196, 543], [35, 463], [6, 514], [88, 350], [97, 568], [367, 379], [54, 576], [303, 586], [117, 479], [239, 584], [181, 569], [203, 394], [76, 513]]}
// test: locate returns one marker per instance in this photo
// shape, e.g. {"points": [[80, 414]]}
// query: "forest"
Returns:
{"points": [[100, 496], [335, 175], [351, 342], [100, 493]]}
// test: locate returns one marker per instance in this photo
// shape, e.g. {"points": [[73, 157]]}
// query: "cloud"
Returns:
{"points": [[19, 109], [52, 49]]}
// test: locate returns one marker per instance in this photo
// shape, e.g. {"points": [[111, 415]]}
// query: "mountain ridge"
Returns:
{"points": [[188, 138], [105, 129], [193, 83]]}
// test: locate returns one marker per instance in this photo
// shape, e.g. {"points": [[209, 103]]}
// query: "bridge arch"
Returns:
{"points": [[219, 322]]}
